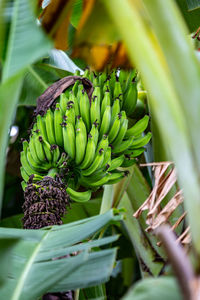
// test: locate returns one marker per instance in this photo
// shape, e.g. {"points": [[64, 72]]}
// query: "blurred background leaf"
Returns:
{"points": [[18, 52], [154, 289], [193, 4]]}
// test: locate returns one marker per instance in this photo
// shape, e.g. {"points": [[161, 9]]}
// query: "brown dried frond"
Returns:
{"points": [[158, 214]]}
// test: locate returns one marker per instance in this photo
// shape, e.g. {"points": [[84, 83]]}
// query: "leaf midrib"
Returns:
{"points": [[19, 287]]}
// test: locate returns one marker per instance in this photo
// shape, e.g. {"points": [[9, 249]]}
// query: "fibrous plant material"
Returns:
{"points": [[82, 134], [158, 214]]}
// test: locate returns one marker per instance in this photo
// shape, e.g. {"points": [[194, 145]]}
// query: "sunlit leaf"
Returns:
{"points": [[23, 39]]}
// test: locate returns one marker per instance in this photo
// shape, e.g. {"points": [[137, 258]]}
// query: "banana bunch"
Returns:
{"points": [[87, 142]]}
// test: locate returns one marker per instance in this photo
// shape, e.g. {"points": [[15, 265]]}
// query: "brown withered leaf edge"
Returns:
{"points": [[158, 215], [46, 100]]}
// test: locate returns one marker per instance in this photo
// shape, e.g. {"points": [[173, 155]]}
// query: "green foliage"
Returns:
{"points": [[34, 257], [23, 28], [154, 289]]}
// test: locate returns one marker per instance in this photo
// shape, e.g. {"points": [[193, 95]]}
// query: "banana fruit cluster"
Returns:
{"points": [[87, 142]]}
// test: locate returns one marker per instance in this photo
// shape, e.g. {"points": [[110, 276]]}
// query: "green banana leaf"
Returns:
{"points": [[193, 4], [154, 289], [35, 267], [25, 42], [143, 249], [6, 245], [158, 63], [9, 95]]}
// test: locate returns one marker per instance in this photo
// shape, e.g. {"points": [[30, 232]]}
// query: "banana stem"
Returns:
{"points": [[52, 173]]}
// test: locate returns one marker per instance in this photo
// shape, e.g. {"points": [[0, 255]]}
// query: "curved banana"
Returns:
{"points": [[116, 163], [49, 120], [58, 119], [69, 139], [130, 98], [81, 140], [89, 153], [79, 196], [95, 115], [140, 142], [138, 127], [105, 102], [98, 160], [85, 109], [105, 123]]}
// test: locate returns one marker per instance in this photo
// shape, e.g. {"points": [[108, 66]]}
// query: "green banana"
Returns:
{"points": [[96, 176], [107, 158], [115, 177], [61, 160], [75, 87], [122, 79], [94, 132], [41, 126], [79, 196], [106, 88], [24, 175], [81, 140], [130, 98], [56, 154], [98, 160], [101, 181], [118, 92], [31, 145], [69, 139], [115, 110], [140, 142], [105, 102], [25, 164], [24, 185], [135, 152], [69, 116], [89, 153], [58, 119], [105, 123], [97, 92], [103, 144], [114, 128], [116, 162], [121, 133], [128, 162], [63, 103], [79, 93], [85, 109], [49, 121], [122, 146], [95, 115], [138, 127], [47, 151], [39, 148], [34, 165]]}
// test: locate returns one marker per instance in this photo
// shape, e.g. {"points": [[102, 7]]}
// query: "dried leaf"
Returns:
{"points": [[55, 20], [165, 179], [46, 100], [97, 41]]}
